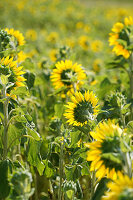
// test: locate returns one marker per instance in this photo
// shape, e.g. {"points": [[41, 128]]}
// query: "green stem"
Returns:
{"points": [[35, 181], [92, 184], [61, 170], [5, 137], [131, 82], [128, 164]]}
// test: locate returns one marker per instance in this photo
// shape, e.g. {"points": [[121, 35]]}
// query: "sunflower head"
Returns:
{"points": [[121, 189], [69, 75], [9, 68], [82, 109], [18, 37], [119, 38], [105, 152], [4, 40]]}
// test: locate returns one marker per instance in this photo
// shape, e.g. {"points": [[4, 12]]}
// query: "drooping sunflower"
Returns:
{"points": [[9, 68], [17, 35], [105, 149], [121, 189], [82, 108], [65, 74], [121, 32]]}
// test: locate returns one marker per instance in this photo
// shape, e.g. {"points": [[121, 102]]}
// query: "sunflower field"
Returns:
{"points": [[66, 100]]}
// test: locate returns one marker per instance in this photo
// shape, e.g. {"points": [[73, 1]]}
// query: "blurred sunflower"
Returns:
{"points": [[120, 32], [82, 108], [105, 149], [84, 42], [9, 68], [97, 65], [121, 189], [68, 74], [17, 35], [31, 34], [21, 57], [96, 46], [53, 37], [53, 54]]}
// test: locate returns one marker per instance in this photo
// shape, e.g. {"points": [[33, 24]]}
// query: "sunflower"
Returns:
{"points": [[9, 68], [121, 189], [17, 35], [82, 108], [84, 42], [66, 74], [120, 32], [105, 149]]}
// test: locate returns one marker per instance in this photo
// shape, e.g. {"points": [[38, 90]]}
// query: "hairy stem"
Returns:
{"points": [[5, 136], [131, 83], [92, 184], [61, 170]]}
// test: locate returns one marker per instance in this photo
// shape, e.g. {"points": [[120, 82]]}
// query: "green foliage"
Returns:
{"points": [[4, 183], [42, 157], [34, 157], [101, 188], [21, 185], [30, 79]]}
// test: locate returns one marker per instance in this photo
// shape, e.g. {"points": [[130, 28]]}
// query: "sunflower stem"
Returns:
{"points": [[5, 136], [128, 164], [131, 83], [61, 169], [92, 185]]}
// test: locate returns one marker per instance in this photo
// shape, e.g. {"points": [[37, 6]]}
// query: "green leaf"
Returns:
{"points": [[30, 79], [58, 91], [3, 100], [33, 133], [14, 132], [34, 157], [75, 137], [130, 47], [130, 126], [4, 79], [70, 194], [59, 109], [100, 189], [21, 185], [4, 183], [19, 91], [81, 152], [49, 170], [115, 157], [125, 109], [85, 169], [73, 172]]}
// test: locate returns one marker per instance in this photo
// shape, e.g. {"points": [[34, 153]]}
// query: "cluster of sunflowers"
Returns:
{"points": [[105, 148], [10, 65], [120, 37], [75, 138]]}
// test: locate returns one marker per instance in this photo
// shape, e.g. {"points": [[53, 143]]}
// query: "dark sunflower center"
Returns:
{"points": [[127, 194], [123, 36], [83, 111], [111, 153], [66, 76], [4, 70]]}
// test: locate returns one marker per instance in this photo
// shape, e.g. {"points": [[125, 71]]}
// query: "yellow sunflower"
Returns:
{"points": [[9, 67], [67, 74], [17, 35], [21, 57], [119, 32], [82, 108], [105, 149], [84, 42], [121, 189]]}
